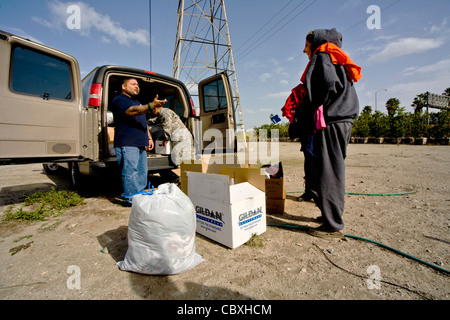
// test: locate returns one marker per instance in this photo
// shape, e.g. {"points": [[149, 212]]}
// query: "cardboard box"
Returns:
{"points": [[254, 176], [111, 149], [226, 213], [275, 189], [161, 149], [275, 205], [207, 164], [276, 192]]}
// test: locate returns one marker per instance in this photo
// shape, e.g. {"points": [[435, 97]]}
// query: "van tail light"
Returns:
{"points": [[95, 96], [192, 107]]}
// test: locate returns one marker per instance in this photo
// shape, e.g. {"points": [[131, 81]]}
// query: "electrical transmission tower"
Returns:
{"points": [[203, 47]]}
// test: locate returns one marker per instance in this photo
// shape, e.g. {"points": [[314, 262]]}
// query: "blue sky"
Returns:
{"points": [[407, 55]]}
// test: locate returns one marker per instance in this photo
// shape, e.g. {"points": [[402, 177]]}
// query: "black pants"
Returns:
{"points": [[325, 172]]}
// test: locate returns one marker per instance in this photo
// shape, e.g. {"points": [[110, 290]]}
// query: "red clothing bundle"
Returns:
{"points": [[295, 99], [337, 56]]}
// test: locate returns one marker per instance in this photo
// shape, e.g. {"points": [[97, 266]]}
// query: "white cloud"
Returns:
{"points": [[428, 78], [278, 95], [252, 64], [349, 5], [91, 20], [432, 69], [405, 46], [265, 76], [441, 27], [407, 91], [274, 61], [291, 59]]}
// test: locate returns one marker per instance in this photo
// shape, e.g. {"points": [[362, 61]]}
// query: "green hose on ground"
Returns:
{"points": [[369, 240], [304, 228], [367, 194]]}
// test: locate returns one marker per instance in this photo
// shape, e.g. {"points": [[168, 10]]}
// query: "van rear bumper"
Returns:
{"points": [[155, 163]]}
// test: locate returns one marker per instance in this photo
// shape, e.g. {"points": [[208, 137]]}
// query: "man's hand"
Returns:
{"points": [[151, 145], [158, 103]]}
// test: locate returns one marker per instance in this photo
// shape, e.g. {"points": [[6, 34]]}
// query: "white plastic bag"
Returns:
{"points": [[161, 233]]}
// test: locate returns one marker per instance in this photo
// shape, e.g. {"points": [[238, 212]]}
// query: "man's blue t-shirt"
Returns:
{"points": [[129, 131]]}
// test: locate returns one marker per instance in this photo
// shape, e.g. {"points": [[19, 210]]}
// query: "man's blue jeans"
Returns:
{"points": [[133, 163]]}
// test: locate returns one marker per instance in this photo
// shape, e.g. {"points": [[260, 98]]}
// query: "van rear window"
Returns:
{"points": [[214, 97], [40, 75]]}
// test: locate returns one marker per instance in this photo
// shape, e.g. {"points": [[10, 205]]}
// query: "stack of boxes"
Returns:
{"points": [[275, 191]]}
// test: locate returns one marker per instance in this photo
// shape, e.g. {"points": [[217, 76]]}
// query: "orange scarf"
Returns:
{"points": [[338, 56]]}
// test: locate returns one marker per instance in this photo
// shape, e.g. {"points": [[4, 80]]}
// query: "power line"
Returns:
{"points": [[276, 31], [246, 41], [250, 49], [150, 30]]}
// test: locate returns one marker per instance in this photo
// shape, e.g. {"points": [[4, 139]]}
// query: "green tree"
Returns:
{"points": [[392, 106], [419, 102], [378, 125], [440, 124], [281, 127], [418, 124], [397, 125], [361, 124]]}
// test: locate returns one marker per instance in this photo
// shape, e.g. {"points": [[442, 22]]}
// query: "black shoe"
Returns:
{"points": [[324, 233], [305, 197]]}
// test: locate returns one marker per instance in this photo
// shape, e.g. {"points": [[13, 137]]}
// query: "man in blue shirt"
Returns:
{"points": [[131, 137]]}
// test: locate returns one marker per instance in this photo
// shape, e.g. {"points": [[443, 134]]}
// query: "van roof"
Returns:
{"points": [[102, 70], [6, 36]]}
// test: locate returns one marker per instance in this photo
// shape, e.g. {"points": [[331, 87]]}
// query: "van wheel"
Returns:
{"points": [[76, 179], [52, 169]]}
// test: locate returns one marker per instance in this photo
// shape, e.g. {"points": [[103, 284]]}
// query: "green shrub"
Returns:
{"points": [[46, 204]]}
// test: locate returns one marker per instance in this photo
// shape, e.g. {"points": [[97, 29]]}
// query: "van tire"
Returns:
{"points": [[76, 178], [52, 169]]}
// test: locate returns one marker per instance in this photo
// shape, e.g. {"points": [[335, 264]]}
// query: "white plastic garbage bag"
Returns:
{"points": [[161, 233]]}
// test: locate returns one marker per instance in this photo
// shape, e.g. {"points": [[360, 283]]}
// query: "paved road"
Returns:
{"points": [[17, 180]]}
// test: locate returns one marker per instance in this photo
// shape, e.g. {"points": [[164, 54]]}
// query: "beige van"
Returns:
{"points": [[49, 115]]}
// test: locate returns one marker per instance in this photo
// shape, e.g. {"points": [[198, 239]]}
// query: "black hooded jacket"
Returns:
{"points": [[328, 84]]}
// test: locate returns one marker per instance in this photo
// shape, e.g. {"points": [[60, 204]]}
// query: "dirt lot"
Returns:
{"points": [[291, 265]]}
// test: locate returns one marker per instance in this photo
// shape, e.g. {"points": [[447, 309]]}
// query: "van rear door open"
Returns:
{"points": [[217, 114], [40, 104]]}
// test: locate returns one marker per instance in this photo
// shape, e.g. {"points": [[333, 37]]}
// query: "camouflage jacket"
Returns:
{"points": [[168, 120]]}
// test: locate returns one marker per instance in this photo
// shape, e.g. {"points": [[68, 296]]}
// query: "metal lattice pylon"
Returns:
{"points": [[203, 47]]}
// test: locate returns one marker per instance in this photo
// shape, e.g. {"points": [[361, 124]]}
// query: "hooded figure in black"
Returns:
{"points": [[329, 82]]}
